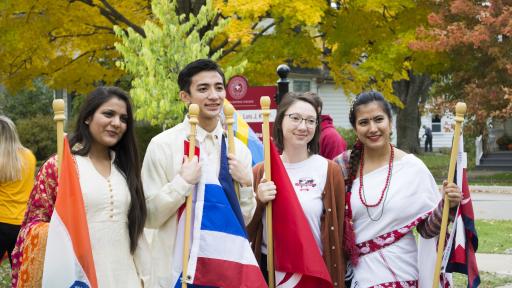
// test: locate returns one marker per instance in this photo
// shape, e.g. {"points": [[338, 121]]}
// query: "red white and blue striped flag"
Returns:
{"points": [[459, 255], [68, 260], [220, 254]]}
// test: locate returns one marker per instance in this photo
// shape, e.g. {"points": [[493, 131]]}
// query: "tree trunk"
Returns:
{"points": [[189, 6], [411, 92]]}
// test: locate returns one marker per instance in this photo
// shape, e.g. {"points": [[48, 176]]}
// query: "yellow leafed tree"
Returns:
{"points": [[69, 43]]}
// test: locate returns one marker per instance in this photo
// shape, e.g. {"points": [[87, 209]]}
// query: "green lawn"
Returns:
{"points": [[494, 236], [5, 274], [438, 164], [487, 280]]}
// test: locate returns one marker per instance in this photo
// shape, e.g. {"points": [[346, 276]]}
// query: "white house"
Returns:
{"points": [[442, 129], [336, 102]]}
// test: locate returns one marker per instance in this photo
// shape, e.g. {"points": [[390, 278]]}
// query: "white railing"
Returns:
{"points": [[479, 149]]}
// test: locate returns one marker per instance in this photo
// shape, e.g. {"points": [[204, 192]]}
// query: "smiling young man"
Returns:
{"points": [[169, 177]]}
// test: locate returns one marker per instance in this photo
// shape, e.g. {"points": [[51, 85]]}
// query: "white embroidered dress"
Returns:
{"points": [[412, 194], [107, 201]]}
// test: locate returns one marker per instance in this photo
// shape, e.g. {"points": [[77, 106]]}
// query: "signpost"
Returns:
{"points": [[246, 101]]}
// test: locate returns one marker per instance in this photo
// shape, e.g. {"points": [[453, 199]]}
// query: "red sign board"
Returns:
{"points": [[246, 101]]}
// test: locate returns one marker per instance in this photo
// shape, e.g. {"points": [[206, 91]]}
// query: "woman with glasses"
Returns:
{"points": [[318, 183]]}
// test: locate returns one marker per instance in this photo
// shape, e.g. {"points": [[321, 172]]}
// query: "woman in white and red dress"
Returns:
{"points": [[390, 193]]}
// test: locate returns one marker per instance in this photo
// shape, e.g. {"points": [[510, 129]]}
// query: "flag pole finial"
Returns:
{"points": [[460, 110], [58, 110], [229, 111]]}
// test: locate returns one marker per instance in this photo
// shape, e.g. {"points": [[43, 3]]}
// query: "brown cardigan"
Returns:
{"points": [[331, 228]]}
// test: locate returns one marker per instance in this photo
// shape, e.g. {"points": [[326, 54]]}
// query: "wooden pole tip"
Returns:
{"points": [[265, 102], [460, 108], [228, 110], [193, 110], [58, 105]]}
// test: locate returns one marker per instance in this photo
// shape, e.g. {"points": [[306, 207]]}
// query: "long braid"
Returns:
{"points": [[349, 235], [355, 157]]}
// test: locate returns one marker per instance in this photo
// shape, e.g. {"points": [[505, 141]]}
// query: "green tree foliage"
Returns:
{"points": [[38, 134], [31, 110], [348, 135], [28, 102], [171, 41]]}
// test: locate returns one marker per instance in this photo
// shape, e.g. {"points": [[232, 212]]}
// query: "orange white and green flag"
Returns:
{"points": [[68, 260]]}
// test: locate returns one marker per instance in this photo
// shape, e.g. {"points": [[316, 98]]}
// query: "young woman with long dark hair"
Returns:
{"points": [[105, 152]]}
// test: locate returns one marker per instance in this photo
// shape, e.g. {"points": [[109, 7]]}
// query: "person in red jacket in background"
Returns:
{"points": [[331, 142]]}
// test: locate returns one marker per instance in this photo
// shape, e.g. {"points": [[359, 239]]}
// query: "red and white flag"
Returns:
{"points": [[298, 262], [459, 254]]}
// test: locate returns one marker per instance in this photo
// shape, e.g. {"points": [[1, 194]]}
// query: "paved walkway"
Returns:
{"points": [[493, 202], [492, 206], [491, 189], [495, 263]]}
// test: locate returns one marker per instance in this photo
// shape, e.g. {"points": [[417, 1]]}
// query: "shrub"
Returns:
{"points": [[144, 133], [38, 134], [470, 149], [503, 142], [349, 135]]}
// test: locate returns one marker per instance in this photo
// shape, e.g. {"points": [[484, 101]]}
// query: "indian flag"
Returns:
{"points": [[68, 260]]}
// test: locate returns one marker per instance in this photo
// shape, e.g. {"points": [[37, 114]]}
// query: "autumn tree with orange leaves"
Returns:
{"points": [[476, 36]]}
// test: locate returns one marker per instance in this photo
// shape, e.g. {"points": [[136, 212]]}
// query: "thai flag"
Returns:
{"points": [[245, 134], [463, 242], [298, 262], [68, 260], [220, 254]]}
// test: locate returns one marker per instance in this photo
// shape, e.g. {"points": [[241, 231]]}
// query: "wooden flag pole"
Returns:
{"points": [[265, 110], [228, 112], [58, 110], [193, 112], [460, 110]]}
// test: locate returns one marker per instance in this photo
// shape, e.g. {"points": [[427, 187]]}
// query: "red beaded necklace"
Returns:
{"points": [[361, 188]]}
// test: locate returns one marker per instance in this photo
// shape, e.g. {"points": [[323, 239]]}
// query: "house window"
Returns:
{"points": [[436, 124], [301, 86]]}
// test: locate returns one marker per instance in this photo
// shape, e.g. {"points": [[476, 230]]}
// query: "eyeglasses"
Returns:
{"points": [[296, 119]]}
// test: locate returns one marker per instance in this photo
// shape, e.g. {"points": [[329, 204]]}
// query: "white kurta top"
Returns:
{"points": [[107, 201]]}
